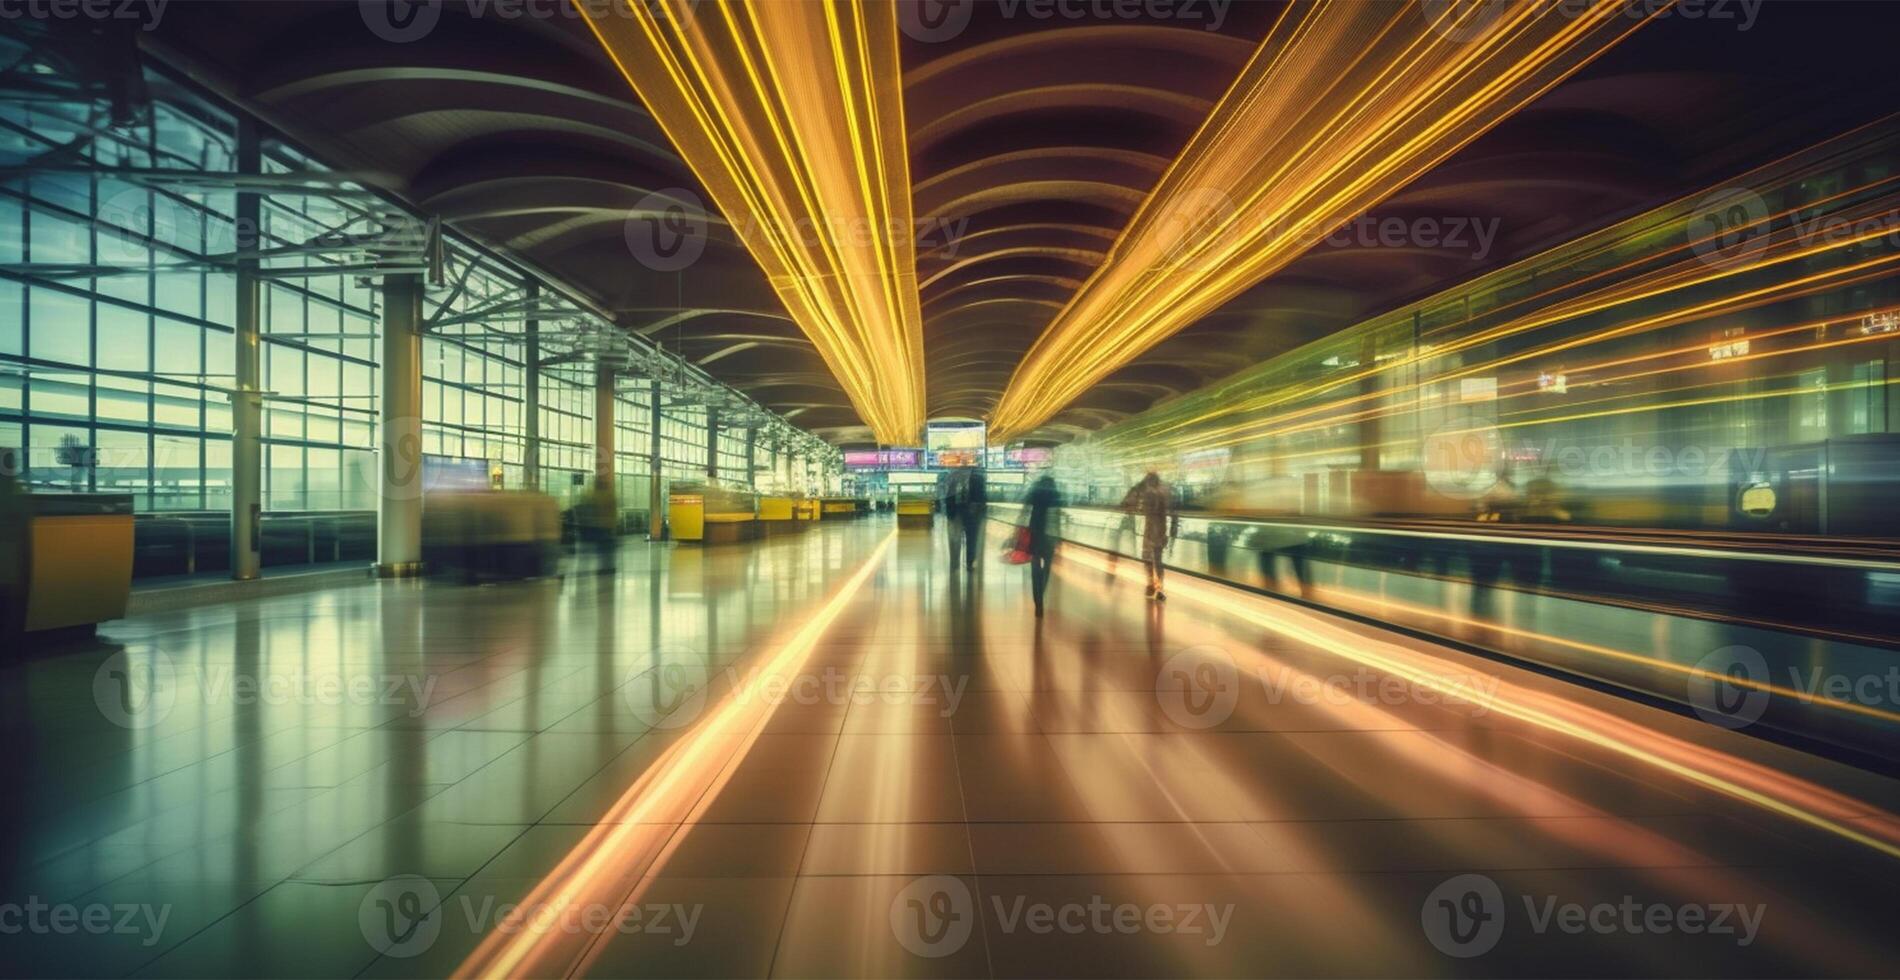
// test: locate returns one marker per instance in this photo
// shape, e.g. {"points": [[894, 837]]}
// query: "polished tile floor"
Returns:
{"points": [[831, 755]]}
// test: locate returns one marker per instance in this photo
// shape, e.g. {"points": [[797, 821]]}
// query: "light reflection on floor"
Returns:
{"points": [[932, 769]]}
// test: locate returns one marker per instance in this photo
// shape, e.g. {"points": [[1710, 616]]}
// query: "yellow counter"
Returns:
{"points": [[713, 514], [915, 511], [75, 568]]}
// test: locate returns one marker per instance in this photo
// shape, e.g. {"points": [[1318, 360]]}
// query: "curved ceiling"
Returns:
{"points": [[1032, 140]]}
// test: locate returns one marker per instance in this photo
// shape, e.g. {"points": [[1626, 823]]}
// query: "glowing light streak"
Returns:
{"points": [[1342, 105], [1622, 287], [654, 814], [1527, 390], [792, 117], [1755, 784], [1689, 273], [1361, 600]]}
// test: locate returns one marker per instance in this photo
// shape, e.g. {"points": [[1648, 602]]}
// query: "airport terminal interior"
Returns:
{"points": [[949, 488]]}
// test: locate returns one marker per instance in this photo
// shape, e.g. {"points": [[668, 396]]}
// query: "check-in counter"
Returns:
{"points": [[780, 514], [65, 560], [840, 508], [712, 515], [916, 509]]}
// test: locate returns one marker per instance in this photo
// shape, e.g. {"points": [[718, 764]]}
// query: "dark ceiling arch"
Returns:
{"points": [[1032, 142]]}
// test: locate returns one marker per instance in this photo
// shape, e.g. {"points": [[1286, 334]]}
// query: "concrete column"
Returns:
{"points": [[656, 497], [604, 425], [712, 445], [531, 400], [399, 507], [752, 458], [247, 396]]}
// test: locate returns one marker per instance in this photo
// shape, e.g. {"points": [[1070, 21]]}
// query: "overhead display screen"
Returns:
{"points": [[956, 436]]}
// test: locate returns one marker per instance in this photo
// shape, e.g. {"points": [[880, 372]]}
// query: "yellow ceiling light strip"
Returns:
{"points": [[791, 115], [1343, 104]]}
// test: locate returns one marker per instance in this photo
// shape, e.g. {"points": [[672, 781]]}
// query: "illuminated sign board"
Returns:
{"points": [[1477, 389], [940, 436], [874, 459]]}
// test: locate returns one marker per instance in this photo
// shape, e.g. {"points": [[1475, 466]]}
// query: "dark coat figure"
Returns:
{"points": [[966, 506], [1045, 506]]}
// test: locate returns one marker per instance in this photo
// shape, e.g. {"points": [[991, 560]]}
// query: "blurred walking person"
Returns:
{"points": [[1123, 531], [1045, 506], [600, 514], [1153, 500], [975, 510], [956, 495]]}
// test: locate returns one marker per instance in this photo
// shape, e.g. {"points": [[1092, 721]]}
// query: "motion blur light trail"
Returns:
{"points": [[791, 114], [1687, 273], [1760, 786], [649, 820], [1659, 291], [1342, 105]]}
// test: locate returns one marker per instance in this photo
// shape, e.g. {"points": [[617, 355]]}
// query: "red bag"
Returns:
{"points": [[1018, 551]]}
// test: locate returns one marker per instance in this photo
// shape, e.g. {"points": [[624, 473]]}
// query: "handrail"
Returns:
{"points": [[1659, 542]]}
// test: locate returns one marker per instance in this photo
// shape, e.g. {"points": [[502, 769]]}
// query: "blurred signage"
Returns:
{"points": [[950, 458], [1556, 383], [1878, 323], [910, 479], [1756, 500], [1030, 456], [874, 459], [1477, 389], [451, 473], [1206, 459], [1732, 345]]}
